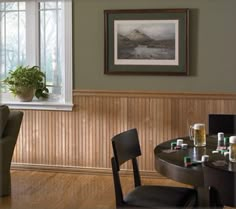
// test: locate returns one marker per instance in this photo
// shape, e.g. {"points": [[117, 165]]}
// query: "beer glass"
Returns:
{"points": [[197, 153], [197, 133]]}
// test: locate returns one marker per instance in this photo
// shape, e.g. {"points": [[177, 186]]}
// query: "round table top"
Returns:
{"points": [[170, 163]]}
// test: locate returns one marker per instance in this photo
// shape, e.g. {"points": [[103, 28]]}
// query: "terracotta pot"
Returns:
{"points": [[26, 94]]}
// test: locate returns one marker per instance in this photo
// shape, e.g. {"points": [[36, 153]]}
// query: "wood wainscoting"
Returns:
{"points": [[81, 139]]}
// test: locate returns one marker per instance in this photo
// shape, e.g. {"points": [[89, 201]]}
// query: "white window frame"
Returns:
{"points": [[65, 104]]}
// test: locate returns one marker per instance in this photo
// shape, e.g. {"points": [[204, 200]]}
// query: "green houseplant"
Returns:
{"points": [[25, 82]]}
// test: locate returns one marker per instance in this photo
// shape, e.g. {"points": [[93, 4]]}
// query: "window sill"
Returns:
{"points": [[39, 104]]}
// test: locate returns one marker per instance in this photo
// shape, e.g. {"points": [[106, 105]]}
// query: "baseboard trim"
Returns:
{"points": [[81, 170]]}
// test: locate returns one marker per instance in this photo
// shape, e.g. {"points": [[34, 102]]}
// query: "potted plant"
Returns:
{"points": [[26, 82]]}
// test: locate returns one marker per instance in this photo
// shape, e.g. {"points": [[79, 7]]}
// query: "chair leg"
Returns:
{"points": [[215, 202]]}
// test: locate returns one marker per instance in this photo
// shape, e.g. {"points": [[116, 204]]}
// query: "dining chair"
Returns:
{"points": [[221, 184], [126, 147], [225, 123]]}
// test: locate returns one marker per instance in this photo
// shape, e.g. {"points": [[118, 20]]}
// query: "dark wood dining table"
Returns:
{"points": [[170, 163]]}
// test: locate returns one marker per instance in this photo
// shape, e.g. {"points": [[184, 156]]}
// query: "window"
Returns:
{"points": [[38, 32]]}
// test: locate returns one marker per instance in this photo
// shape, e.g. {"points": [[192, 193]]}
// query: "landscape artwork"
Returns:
{"points": [[146, 42]]}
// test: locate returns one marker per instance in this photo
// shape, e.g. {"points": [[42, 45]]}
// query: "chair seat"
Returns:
{"points": [[156, 197]]}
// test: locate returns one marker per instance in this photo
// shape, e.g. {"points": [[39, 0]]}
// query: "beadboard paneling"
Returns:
{"points": [[82, 138]]}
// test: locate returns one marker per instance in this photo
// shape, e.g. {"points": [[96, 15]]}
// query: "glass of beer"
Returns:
{"points": [[232, 148], [197, 133]]}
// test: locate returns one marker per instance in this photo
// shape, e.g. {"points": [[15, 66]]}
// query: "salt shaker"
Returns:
{"points": [[205, 158], [220, 139]]}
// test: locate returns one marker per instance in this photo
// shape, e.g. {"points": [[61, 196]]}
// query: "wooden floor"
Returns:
{"points": [[48, 190]]}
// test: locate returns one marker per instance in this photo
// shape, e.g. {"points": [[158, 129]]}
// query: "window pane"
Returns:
{"points": [[15, 39], [12, 38], [59, 4], [2, 5], [50, 37], [50, 5], [12, 6], [21, 5], [42, 5], [22, 39]]}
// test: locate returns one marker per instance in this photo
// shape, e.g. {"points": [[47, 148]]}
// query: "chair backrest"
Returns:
{"points": [[125, 147], [225, 123], [13, 124], [222, 185]]}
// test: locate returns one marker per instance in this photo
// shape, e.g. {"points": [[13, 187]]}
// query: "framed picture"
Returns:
{"points": [[149, 41]]}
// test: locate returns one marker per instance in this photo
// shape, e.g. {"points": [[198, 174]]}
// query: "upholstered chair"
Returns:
{"points": [[10, 122]]}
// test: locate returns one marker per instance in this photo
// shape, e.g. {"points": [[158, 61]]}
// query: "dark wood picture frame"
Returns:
{"points": [[147, 41]]}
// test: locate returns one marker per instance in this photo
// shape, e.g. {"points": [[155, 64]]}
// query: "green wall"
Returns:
{"points": [[212, 47]]}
